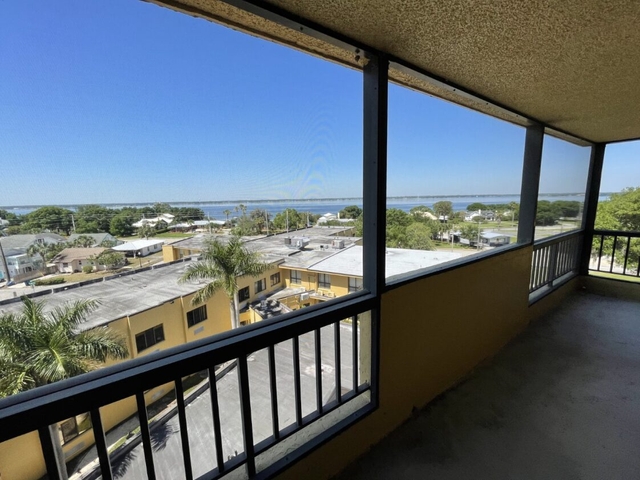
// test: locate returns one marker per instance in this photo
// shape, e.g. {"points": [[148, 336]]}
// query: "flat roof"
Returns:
{"points": [[126, 295], [348, 262]]}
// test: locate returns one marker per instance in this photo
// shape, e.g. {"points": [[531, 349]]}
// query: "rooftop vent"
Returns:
{"points": [[296, 242], [339, 244]]}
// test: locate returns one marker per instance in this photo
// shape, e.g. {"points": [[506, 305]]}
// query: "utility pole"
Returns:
{"points": [[266, 217], [4, 263], [287, 212], [73, 222]]}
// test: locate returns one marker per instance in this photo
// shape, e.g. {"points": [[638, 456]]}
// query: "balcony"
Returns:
{"points": [[304, 395], [560, 401]]}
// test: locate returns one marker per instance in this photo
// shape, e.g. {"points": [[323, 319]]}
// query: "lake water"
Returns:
{"points": [[216, 209]]}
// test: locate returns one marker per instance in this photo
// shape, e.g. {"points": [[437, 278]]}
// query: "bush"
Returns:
{"points": [[87, 269], [49, 281]]}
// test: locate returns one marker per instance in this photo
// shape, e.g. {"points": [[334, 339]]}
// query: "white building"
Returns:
{"points": [[139, 248]]}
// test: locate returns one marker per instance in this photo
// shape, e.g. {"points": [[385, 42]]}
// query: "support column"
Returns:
{"points": [[376, 88], [591, 204], [530, 183]]}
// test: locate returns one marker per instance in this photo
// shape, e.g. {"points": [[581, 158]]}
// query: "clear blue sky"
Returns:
{"points": [[124, 101]]}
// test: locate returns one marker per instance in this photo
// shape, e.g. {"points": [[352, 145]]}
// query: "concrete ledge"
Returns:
{"points": [[610, 287]]}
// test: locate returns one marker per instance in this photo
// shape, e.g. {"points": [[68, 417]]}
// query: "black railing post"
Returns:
{"points": [[591, 205]]}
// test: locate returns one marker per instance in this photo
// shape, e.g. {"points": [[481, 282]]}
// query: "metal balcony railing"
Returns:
{"points": [[554, 258], [40, 409], [616, 252]]}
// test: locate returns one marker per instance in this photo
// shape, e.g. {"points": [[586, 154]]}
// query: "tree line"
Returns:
{"points": [[93, 219]]}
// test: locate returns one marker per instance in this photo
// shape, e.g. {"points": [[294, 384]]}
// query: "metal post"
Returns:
{"points": [[52, 452], [591, 205], [530, 183], [4, 264], [376, 89]]}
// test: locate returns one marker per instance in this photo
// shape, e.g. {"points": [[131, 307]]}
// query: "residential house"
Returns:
{"points": [[152, 222], [22, 266], [72, 260], [139, 248]]}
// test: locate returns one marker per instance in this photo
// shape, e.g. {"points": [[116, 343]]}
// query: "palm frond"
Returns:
{"points": [[73, 314], [100, 344]]}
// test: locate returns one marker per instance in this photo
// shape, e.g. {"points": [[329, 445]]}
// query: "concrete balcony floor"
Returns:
{"points": [[562, 401]]}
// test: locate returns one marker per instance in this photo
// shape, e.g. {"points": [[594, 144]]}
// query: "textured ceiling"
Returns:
{"points": [[572, 64]]}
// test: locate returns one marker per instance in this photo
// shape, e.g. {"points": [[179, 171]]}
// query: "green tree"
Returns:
{"points": [[546, 214], [227, 212], [397, 223], [470, 231], [443, 208], [84, 241], [121, 225], [110, 259], [259, 217], [294, 218], [39, 250], [514, 208], [474, 207], [221, 265], [245, 226], [38, 348], [93, 218], [352, 211], [146, 231], [620, 212], [54, 219], [418, 237]]}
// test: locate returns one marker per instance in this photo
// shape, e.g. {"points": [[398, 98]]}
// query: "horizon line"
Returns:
{"points": [[301, 200]]}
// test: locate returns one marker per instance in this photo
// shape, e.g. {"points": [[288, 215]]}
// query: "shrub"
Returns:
{"points": [[87, 269], [49, 281]]}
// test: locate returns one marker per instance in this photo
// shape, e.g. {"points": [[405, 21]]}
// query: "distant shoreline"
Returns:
{"points": [[288, 200]]}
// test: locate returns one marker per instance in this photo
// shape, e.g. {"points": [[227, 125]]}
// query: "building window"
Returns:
{"points": [[261, 285], [243, 294], [275, 279], [64, 265], [149, 338], [74, 426], [196, 316], [295, 276], [355, 284], [324, 280]]}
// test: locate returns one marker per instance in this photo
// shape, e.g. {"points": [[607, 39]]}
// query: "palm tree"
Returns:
{"points": [[38, 347], [84, 241], [227, 212], [221, 265]]}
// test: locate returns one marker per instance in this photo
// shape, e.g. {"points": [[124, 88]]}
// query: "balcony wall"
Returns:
{"points": [[434, 331]]}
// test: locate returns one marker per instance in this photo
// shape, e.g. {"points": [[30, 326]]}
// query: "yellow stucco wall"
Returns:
{"points": [[169, 253], [21, 458], [430, 339]]}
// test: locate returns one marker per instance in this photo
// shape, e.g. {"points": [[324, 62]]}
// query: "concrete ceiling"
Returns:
{"points": [[571, 64]]}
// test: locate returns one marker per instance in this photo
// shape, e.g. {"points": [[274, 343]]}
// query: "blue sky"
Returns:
{"points": [[125, 101]]}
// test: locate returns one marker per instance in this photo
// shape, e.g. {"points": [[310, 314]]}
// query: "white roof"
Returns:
{"points": [[348, 262], [494, 235], [136, 245]]}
